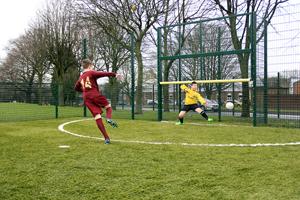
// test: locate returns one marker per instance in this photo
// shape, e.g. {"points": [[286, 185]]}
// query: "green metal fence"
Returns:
{"points": [[20, 101], [192, 51], [204, 50], [283, 100], [277, 84]]}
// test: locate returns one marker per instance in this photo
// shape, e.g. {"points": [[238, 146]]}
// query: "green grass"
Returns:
{"points": [[33, 167], [24, 111], [168, 132]]}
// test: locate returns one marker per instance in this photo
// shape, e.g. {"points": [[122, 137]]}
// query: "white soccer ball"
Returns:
{"points": [[229, 105]]}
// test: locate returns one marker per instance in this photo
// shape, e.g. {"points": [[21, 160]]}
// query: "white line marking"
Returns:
{"points": [[61, 128], [64, 146], [206, 124]]}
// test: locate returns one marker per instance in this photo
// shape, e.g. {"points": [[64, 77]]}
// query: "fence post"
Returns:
{"points": [[233, 91], [253, 63], [201, 51], [174, 96], [56, 101], [153, 98], [179, 67], [84, 57], [278, 95], [159, 76], [266, 101], [219, 73], [132, 74], [123, 99]]}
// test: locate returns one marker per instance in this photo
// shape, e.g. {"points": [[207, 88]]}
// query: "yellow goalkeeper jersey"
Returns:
{"points": [[192, 97]]}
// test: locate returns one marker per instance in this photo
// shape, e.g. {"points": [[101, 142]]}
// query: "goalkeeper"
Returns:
{"points": [[192, 97]]}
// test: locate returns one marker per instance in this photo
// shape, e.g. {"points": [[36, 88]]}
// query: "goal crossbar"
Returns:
{"points": [[242, 80]]}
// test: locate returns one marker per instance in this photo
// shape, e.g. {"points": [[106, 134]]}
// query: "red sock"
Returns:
{"points": [[108, 113], [102, 128]]}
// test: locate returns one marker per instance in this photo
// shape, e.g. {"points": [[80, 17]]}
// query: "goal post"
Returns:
{"points": [[203, 33], [242, 80]]}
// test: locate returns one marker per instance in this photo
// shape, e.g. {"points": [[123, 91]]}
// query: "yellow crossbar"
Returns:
{"points": [[242, 80]]}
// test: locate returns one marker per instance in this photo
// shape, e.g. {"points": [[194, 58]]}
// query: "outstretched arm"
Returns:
{"points": [[184, 88], [97, 74]]}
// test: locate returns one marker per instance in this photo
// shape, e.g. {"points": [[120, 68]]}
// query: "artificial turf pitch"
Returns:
{"points": [[34, 167]]}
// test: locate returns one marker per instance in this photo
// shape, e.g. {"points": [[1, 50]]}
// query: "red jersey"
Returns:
{"points": [[87, 82]]}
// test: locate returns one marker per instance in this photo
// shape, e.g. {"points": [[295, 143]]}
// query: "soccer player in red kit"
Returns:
{"points": [[87, 84]]}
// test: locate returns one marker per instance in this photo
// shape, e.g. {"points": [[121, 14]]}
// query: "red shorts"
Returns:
{"points": [[95, 104]]}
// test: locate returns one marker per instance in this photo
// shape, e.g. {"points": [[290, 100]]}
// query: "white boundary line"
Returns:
{"points": [[208, 124], [61, 128]]}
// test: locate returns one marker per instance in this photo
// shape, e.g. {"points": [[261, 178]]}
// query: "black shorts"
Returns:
{"points": [[192, 107]]}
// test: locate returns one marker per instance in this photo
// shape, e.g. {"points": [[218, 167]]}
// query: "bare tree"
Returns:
{"points": [[18, 66], [113, 56], [265, 10], [37, 55], [126, 82], [176, 12], [207, 68], [135, 17], [9, 68], [62, 29]]}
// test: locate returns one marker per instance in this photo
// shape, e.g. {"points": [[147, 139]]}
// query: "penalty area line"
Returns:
{"points": [[62, 129]]}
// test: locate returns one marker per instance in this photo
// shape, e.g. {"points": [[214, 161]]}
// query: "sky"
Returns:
{"points": [[284, 40], [15, 16]]}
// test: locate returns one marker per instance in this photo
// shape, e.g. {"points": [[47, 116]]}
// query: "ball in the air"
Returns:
{"points": [[229, 105], [133, 8]]}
